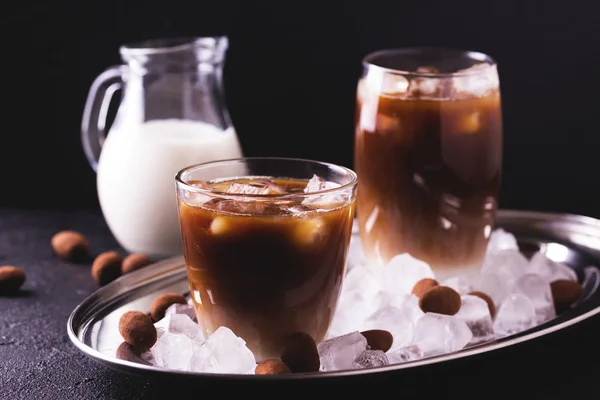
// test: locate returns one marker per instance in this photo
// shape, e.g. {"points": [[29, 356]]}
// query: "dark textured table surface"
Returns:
{"points": [[37, 360]]}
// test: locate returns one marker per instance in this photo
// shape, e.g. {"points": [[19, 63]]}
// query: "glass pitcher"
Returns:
{"points": [[172, 114]]}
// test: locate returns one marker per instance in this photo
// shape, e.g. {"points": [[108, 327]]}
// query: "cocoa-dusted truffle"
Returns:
{"points": [[11, 279], [137, 329], [441, 300], [162, 302], [127, 352], [107, 267], [565, 293], [378, 339], [71, 246], [271, 367], [423, 286], [487, 299], [300, 353], [133, 262]]}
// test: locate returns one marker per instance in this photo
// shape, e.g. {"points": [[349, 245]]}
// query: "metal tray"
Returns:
{"points": [[572, 239]]}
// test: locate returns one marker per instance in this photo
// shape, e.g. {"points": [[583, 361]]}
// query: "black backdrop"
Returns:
{"points": [[290, 80]]}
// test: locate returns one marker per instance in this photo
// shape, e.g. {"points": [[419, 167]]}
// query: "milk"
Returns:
{"points": [[136, 178]]}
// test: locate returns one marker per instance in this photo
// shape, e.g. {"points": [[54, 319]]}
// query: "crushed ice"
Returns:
{"points": [[477, 80], [317, 184], [519, 288]]}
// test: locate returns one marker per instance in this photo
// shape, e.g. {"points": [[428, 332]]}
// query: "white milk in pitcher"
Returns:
{"points": [[136, 178]]}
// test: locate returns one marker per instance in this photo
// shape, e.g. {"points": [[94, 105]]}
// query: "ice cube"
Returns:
{"points": [[411, 307], [244, 188], [440, 334], [174, 351], [148, 356], [361, 279], [273, 187], [199, 184], [540, 294], [459, 283], [340, 352], [330, 200], [408, 303], [468, 123], [508, 264], [393, 85], [378, 82], [310, 231], [492, 285], [385, 124], [257, 206], [550, 270], [195, 198], [182, 309], [351, 312], [317, 184], [223, 352], [515, 315], [370, 358], [405, 354], [424, 87], [402, 272], [501, 240], [226, 205], [220, 226], [179, 324], [255, 187], [477, 80], [161, 348], [394, 320], [476, 314]]}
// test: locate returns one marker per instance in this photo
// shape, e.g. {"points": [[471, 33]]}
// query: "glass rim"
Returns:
{"points": [[367, 61], [168, 45], [233, 196]]}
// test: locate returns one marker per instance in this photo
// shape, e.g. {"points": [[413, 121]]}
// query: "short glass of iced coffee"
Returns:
{"points": [[428, 153], [265, 243]]}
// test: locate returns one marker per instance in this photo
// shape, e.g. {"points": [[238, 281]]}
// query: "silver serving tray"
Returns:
{"points": [[572, 239]]}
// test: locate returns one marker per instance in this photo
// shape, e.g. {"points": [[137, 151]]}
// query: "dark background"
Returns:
{"points": [[290, 82]]}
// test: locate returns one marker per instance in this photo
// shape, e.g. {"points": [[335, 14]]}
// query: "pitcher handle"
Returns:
{"points": [[93, 124]]}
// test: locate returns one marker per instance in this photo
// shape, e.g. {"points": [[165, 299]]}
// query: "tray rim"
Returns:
{"points": [[142, 369]]}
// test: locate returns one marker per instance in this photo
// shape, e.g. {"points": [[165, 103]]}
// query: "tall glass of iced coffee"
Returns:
{"points": [[265, 243], [428, 153]]}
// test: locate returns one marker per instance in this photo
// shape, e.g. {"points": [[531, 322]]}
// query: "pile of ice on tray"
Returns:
{"points": [[182, 346], [519, 288]]}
